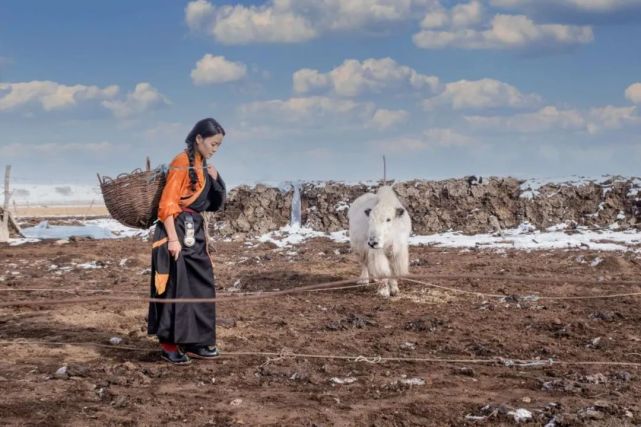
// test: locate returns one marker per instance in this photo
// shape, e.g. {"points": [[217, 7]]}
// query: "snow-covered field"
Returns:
{"points": [[524, 237], [530, 187]]}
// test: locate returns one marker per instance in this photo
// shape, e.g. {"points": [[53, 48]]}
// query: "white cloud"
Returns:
{"points": [[316, 110], [50, 95], [579, 5], [295, 110], [254, 24], [430, 138], [292, 21], [307, 80], [547, 118], [216, 69], [438, 18], [354, 77], [165, 131], [485, 93], [144, 98], [198, 14], [355, 14], [463, 27], [444, 137], [610, 117], [385, 119], [633, 93], [551, 118], [461, 16], [467, 15], [52, 149]]}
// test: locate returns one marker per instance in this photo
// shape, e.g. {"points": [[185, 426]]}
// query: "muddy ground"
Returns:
{"points": [[111, 385]]}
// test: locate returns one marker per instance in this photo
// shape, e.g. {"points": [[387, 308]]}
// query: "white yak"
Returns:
{"points": [[379, 230]]}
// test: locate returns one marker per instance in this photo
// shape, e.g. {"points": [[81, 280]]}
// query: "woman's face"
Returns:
{"points": [[207, 147]]}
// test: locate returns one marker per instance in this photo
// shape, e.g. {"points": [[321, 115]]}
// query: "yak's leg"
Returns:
{"points": [[362, 261], [379, 268], [400, 267]]}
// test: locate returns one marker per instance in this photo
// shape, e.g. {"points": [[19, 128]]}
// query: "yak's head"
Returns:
{"points": [[382, 219]]}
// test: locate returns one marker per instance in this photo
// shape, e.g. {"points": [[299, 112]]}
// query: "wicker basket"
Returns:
{"points": [[132, 198]]}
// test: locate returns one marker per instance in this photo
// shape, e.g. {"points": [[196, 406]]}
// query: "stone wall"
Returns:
{"points": [[467, 205]]}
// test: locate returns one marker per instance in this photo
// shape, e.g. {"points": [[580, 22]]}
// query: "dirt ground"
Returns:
{"points": [[111, 385]]}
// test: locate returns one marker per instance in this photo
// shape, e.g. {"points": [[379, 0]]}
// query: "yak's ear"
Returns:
{"points": [[400, 212], [367, 211]]}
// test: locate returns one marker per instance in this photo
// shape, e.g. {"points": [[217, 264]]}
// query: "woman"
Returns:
{"points": [[181, 267]]}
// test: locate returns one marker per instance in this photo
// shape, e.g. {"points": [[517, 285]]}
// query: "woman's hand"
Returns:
{"points": [[212, 171], [174, 248], [173, 245]]}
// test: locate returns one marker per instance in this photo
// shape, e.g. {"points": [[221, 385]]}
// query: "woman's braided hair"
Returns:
{"points": [[205, 128]]}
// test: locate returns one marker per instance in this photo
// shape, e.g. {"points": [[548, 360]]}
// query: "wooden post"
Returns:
{"points": [[384, 171], [4, 225], [7, 223]]}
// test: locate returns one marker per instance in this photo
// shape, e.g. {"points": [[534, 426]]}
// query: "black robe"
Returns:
{"points": [[191, 276]]}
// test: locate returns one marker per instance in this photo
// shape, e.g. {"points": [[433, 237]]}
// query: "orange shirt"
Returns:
{"points": [[177, 192]]}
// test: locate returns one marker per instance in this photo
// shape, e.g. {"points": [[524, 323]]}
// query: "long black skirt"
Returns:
{"points": [[191, 276]]}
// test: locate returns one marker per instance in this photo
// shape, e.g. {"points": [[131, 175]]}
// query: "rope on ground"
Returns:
{"points": [[284, 353], [118, 291], [315, 287], [446, 288], [288, 354], [521, 278], [75, 290], [432, 276], [530, 297], [336, 285]]}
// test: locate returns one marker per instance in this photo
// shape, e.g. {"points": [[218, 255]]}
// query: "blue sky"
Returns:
{"points": [[320, 89]]}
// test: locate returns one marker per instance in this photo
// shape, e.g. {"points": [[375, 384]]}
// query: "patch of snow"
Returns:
{"points": [[635, 187], [341, 206], [22, 241], [412, 381], [288, 236], [557, 227], [515, 238], [596, 261], [521, 415], [115, 228], [88, 265], [44, 231], [103, 228], [339, 236], [531, 186], [348, 380], [524, 237]]}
